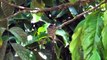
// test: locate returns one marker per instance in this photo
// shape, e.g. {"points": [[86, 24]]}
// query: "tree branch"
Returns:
{"points": [[59, 7], [79, 15]]}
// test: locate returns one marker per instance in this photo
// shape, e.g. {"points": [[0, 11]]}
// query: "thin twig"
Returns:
{"points": [[85, 12], [59, 7]]}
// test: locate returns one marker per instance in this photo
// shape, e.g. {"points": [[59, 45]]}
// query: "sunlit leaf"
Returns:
{"points": [[105, 18], [75, 46], [95, 56], [87, 37], [104, 40], [41, 32]]}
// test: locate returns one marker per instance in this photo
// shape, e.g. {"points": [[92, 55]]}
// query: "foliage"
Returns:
{"points": [[33, 35]]}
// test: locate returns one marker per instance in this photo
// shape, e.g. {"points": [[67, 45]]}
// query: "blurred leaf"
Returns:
{"points": [[1, 33], [73, 1], [49, 3], [3, 23], [104, 41], [19, 2], [73, 11], [7, 9], [37, 4], [43, 28], [23, 53], [75, 46], [1, 42], [87, 37], [41, 33], [90, 36], [61, 13], [105, 18], [9, 56], [19, 34], [3, 50], [36, 17], [95, 56], [1, 13], [64, 34]]}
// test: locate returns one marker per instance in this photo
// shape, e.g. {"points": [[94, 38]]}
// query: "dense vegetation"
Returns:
{"points": [[53, 30]]}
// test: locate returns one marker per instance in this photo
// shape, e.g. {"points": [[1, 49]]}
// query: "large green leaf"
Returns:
{"points": [[95, 56], [91, 37], [87, 38], [23, 53], [19, 34], [75, 43]]}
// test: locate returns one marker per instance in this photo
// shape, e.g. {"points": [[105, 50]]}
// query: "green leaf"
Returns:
{"points": [[41, 32], [73, 1], [91, 36], [64, 34], [61, 13], [87, 37], [9, 56], [75, 46], [105, 18], [7, 9], [19, 34], [73, 11], [95, 56], [104, 41], [36, 17], [1, 33], [23, 53], [19, 2], [37, 4], [49, 3]]}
